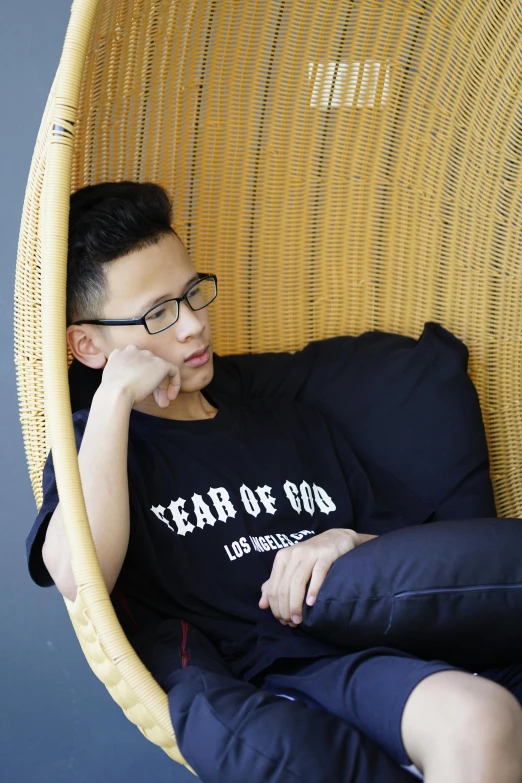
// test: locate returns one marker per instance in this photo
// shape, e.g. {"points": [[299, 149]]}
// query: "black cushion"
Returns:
{"points": [[450, 590], [408, 407]]}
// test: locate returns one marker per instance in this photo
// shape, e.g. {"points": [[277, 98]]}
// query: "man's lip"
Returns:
{"points": [[197, 353]]}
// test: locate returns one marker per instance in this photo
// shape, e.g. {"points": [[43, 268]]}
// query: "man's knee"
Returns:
{"points": [[453, 712]]}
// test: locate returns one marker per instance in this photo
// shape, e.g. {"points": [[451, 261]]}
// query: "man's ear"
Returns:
{"points": [[86, 347]]}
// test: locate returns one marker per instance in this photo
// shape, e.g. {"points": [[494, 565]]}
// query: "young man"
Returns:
{"points": [[230, 518]]}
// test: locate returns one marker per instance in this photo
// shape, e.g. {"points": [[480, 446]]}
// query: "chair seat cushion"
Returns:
{"points": [[450, 590]]}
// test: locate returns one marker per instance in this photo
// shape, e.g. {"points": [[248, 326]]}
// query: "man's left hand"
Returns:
{"points": [[306, 561]]}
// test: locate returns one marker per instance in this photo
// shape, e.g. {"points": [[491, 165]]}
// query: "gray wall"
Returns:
{"points": [[57, 721]]}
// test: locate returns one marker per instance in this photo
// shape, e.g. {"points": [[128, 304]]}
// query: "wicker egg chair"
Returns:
{"points": [[340, 165]]}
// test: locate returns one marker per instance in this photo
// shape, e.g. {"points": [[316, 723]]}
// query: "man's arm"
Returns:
{"points": [[130, 375], [102, 461]]}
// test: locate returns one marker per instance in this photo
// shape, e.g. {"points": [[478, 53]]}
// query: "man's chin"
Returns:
{"points": [[197, 377]]}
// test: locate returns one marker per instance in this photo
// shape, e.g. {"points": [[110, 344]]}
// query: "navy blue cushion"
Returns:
{"points": [[450, 590]]}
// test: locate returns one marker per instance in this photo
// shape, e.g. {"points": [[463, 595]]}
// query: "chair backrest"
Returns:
{"points": [[341, 166]]}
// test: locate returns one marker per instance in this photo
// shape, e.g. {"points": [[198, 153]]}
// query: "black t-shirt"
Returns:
{"points": [[211, 503]]}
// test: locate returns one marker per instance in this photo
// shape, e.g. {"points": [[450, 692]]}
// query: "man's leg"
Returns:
{"points": [[231, 732], [463, 728], [425, 713]]}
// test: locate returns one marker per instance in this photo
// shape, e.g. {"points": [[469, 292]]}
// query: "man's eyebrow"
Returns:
{"points": [[164, 297]]}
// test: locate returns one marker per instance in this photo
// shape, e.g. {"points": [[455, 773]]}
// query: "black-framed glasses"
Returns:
{"points": [[165, 314]]}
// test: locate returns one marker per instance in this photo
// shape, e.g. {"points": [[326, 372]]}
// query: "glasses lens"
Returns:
{"points": [[201, 294], [163, 316]]}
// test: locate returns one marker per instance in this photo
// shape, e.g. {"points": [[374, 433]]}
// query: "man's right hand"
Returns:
{"points": [[139, 373]]}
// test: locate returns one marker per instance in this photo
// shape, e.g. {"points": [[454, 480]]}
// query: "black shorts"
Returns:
{"points": [[330, 719], [370, 689]]}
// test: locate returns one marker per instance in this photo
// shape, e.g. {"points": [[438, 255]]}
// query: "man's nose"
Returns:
{"points": [[188, 323]]}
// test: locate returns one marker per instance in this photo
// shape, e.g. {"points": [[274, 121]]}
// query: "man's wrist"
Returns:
{"points": [[113, 395], [356, 538], [363, 537]]}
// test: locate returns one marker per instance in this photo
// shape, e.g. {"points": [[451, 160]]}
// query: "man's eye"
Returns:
{"points": [[194, 292], [156, 314]]}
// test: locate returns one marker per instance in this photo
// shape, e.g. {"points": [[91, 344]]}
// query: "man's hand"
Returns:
{"points": [[139, 373], [306, 561]]}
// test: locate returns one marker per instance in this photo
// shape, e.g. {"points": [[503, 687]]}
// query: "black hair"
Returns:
{"points": [[107, 221]]}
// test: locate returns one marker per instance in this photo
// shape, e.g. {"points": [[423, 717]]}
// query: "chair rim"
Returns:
{"points": [[92, 602]]}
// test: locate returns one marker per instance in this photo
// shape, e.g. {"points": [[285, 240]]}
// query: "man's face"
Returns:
{"points": [[146, 277]]}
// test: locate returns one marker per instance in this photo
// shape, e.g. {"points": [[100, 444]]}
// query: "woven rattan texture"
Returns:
{"points": [[110, 674], [341, 166], [27, 314]]}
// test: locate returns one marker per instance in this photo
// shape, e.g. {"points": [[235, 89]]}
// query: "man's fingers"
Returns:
{"points": [[291, 586], [292, 589], [306, 563], [273, 585], [160, 393], [286, 588], [167, 389], [282, 598], [174, 384], [160, 396], [265, 604], [297, 591], [284, 592], [321, 568], [298, 584]]}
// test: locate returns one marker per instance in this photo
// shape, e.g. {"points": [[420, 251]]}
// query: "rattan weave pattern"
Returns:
{"points": [[109, 673], [340, 165]]}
